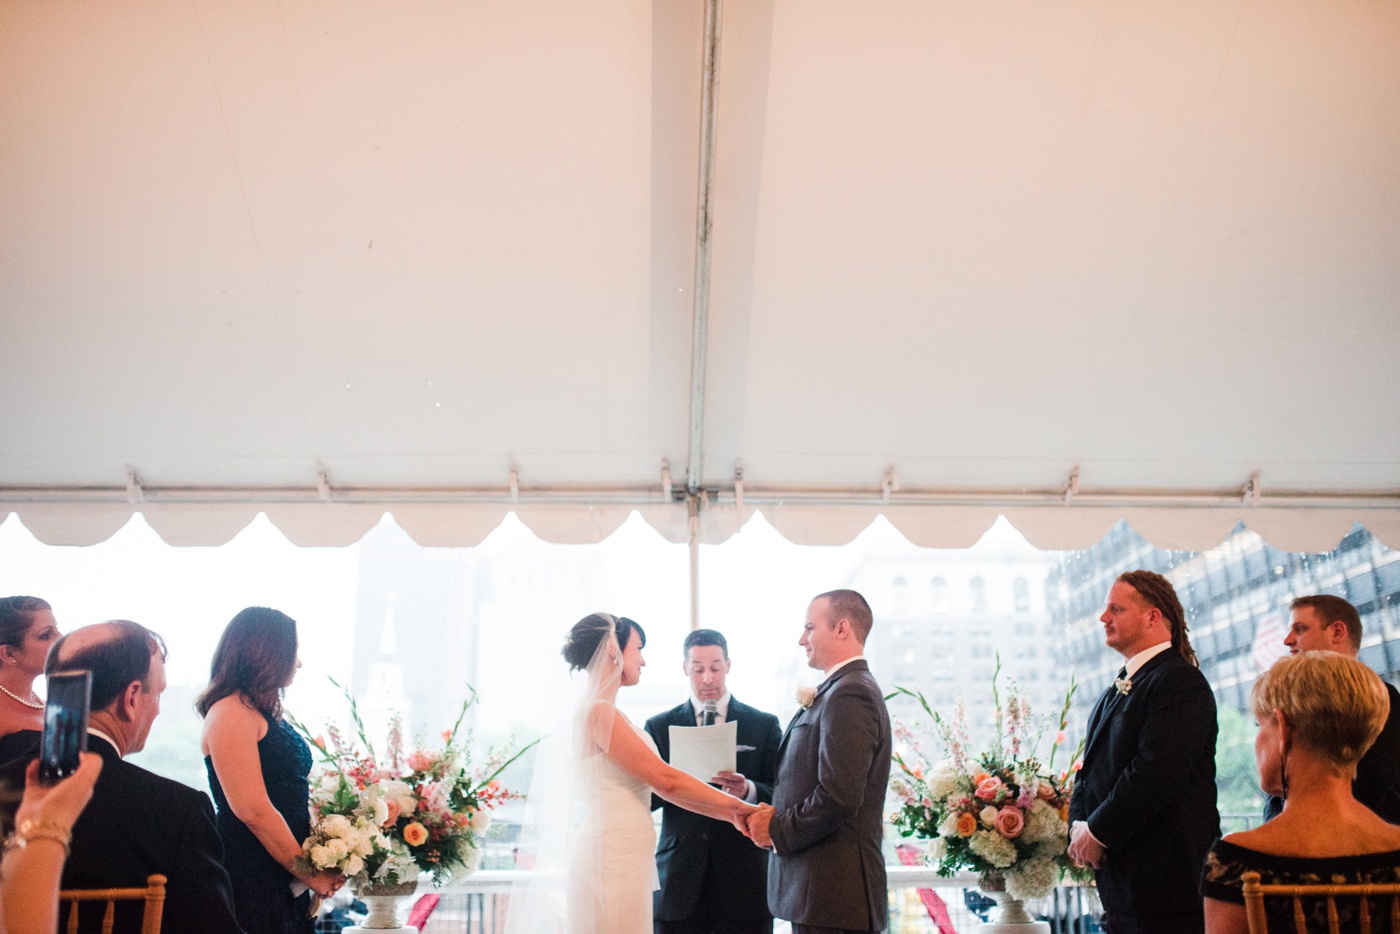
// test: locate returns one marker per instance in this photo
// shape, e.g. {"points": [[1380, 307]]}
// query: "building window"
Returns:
{"points": [[977, 588], [938, 594], [1021, 592], [899, 589]]}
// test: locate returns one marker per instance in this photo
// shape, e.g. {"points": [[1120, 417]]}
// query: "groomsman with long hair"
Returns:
{"points": [[1143, 812]]}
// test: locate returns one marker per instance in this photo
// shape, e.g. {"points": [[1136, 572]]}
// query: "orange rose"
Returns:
{"points": [[1064, 813], [967, 824], [979, 778], [415, 834]]}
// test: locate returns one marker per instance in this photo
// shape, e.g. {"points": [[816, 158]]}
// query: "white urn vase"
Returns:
{"points": [[1011, 916], [385, 903]]}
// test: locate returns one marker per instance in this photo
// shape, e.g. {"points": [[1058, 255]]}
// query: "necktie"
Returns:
{"points": [[707, 713]]}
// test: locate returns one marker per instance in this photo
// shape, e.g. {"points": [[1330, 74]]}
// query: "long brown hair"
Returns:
{"points": [[1159, 592], [256, 657]]}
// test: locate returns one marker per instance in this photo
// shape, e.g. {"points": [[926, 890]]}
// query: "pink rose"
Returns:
{"points": [[1010, 822], [393, 818], [420, 761], [988, 788]]}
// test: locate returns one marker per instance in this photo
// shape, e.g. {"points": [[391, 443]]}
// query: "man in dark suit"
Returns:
{"points": [[826, 823], [1143, 812], [138, 823], [713, 880], [1324, 623]]}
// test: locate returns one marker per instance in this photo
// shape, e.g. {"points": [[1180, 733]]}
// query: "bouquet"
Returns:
{"points": [[999, 813], [381, 821]]}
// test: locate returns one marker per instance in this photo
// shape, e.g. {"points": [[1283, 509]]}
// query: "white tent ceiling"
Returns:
{"points": [[416, 245]]}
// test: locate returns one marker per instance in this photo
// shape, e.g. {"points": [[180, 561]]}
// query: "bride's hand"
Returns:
{"points": [[739, 816]]}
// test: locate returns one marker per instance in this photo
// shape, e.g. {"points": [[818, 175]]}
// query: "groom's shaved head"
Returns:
{"points": [[850, 606]]}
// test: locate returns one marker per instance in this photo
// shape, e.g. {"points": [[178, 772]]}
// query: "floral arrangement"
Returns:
{"points": [[381, 821], [998, 812]]}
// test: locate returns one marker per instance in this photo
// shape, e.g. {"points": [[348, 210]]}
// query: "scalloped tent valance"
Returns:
{"points": [[1051, 528], [466, 257]]}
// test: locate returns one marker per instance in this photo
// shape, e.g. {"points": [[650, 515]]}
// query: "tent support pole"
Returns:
{"points": [[704, 224], [693, 508]]}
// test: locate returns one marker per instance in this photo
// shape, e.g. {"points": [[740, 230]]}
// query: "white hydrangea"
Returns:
{"points": [[1043, 824], [942, 780], [1032, 878], [949, 827], [335, 825], [399, 792], [993, 847], [938, 850]]}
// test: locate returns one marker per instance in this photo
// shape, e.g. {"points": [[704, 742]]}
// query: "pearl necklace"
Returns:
{"points": [[32, 704]]}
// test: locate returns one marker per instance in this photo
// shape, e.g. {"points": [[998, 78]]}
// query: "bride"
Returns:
{"points": [[588, 836]]}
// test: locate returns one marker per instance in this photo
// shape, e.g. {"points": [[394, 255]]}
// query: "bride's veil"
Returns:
{"points": [[549, 900]]}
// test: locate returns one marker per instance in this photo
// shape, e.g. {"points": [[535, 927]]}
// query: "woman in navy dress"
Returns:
{"points": [[257, 768]]}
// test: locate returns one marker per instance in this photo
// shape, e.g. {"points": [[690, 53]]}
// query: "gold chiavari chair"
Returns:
{"points": [[153, 895], [1255, 892]]}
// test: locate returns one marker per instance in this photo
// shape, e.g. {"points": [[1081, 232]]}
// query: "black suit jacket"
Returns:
{"points": [[694, 849], [1377, 782], [1147, 789], [137, 824]]}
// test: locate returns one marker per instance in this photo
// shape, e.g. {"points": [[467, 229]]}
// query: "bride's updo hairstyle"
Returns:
{"points": [[583, 640]]}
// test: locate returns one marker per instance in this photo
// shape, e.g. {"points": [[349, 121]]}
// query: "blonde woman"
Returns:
{"points": [[1318, 713]]}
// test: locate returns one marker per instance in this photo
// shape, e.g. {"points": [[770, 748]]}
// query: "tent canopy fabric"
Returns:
{"points": [[443, 254]]}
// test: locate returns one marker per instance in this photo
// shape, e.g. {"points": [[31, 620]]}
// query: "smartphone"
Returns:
{"points": [[65, 724]]}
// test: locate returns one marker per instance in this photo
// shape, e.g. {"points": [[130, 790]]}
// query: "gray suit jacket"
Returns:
{"points": [[827, 867]]}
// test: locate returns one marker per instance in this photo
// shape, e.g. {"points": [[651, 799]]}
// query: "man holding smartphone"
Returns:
{"points": [[138, 823]]}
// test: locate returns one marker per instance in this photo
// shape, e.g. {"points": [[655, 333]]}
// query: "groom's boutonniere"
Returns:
{"points": [[1123, 685], [805, 696]]}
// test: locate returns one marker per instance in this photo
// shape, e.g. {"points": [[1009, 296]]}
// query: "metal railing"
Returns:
{"points": [[477, 904]]}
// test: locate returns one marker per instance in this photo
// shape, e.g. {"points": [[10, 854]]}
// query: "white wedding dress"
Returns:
{"points": [[587, 836], [612, 870]]}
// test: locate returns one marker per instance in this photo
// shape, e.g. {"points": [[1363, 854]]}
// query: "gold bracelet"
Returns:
{"points": [[28, 831]]}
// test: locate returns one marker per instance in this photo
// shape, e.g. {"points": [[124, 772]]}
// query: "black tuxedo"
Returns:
{"points": [[707, 867], [137, 824], [1377, 782], [1147, 790]]}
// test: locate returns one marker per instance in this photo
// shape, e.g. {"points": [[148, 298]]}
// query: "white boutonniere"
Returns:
{"points": [[1123, 685], [805, 696]]}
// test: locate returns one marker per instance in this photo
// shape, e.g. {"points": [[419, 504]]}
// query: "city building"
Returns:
{"points": [[1236, 600]]}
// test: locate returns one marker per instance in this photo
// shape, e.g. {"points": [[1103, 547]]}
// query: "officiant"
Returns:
{"points": [[713, 879]]}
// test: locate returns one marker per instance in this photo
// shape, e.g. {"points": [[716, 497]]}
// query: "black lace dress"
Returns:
{"points": [[262, 894], [1226, 863]]}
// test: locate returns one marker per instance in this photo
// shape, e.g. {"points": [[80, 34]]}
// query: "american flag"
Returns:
{"points": [[1268, 640]]}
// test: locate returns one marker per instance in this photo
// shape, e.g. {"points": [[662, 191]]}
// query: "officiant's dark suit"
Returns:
{"points": [[707, 867], [1147, 791], [827, 872]]}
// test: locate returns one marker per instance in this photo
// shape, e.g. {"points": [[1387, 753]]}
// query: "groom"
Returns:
{"points": [[827, 872]]}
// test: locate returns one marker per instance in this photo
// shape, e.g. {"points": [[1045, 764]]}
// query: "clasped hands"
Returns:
{"points": [[752, 820]]}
